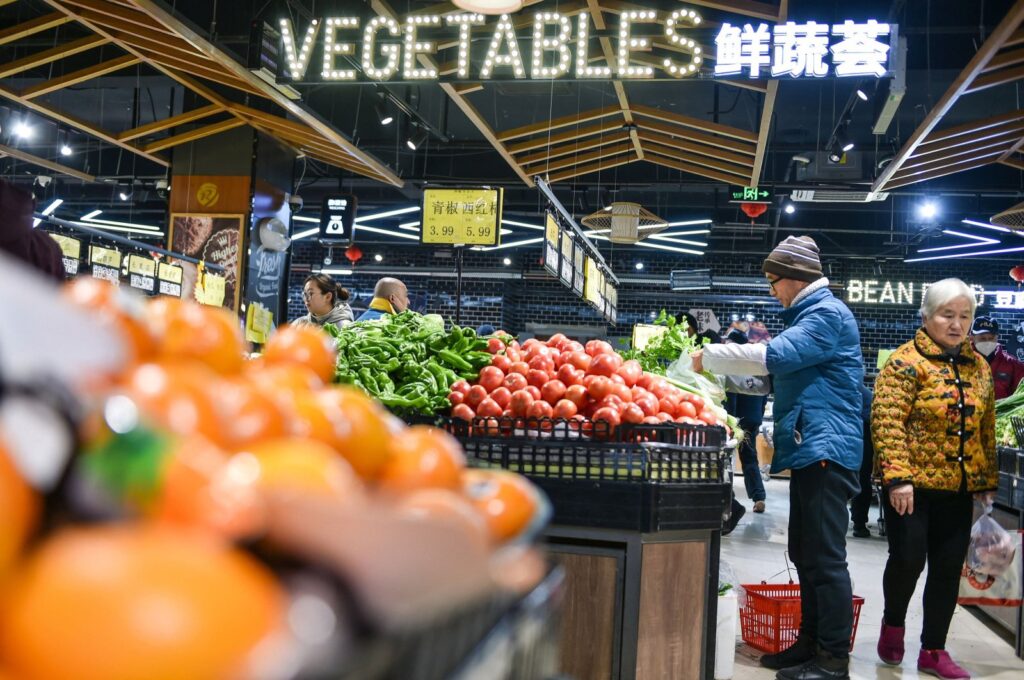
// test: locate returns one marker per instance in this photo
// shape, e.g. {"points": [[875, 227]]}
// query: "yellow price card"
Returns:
{"points": [[461, 217]]}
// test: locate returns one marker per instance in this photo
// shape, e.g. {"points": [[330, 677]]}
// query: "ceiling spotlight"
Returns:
{"points": [[835, 155], [378, 258], [65, 150], [639, 266], [927, 210], [847, 146], [416, 139], [124, 193], [862, 94], [507, 261], [23, 130], [383, 116], [790, 209]]}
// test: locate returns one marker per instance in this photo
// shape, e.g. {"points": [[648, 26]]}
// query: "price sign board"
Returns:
{"points": [[461, 217], [591, 290], [738, 194], [568, 255], [210, 289], [337, 214], [142, 273], [578, 271], [644, 333], [551, 236], [71, 252], [258, 320], [106, 263], [170, 277]]}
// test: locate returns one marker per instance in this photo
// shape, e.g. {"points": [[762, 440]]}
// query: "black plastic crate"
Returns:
{"points": [[1011, 461]]}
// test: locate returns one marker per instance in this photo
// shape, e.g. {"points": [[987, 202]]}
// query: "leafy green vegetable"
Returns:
{"points": [[666, 348]]}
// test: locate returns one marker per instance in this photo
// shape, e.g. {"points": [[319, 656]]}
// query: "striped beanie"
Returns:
{"points": [[795, 258]]}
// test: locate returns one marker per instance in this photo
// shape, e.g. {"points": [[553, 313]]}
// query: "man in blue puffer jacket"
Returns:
{"points": [[817, 370]]}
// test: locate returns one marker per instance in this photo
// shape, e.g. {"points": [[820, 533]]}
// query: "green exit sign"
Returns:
{"points": [[738, 194]]}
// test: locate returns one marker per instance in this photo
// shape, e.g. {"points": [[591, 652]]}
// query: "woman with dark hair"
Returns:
{"points": [[326, 302]]}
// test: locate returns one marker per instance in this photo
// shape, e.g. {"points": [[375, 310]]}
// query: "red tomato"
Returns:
{"points": [[501, 362], [647, 402], [520, 403], [515, 345], [622, 392], [490, 378], [664, 417], [667, 405], [577, 394], [556, 355], [573, 346], [537, 350], [539, 409], [513, 354], [476, 394], [609, 415], [537, 378], [603, 364], [565, 409], [502, 395], [611, 401], [489, 408], [552, 391], [460, 386], [673, 397], [530, 343], [600, 387], [685, 410], [580, 360], [652, 420], [495, 345], [556, 339], [630, 372], [632, 414], [660, 388], [456, 398], [708, 417], [595, 347], [534, 391], [617, 379], [566, 373], [644, 381], [539, 363], [520, 367], [463, 412], [515, 381]]}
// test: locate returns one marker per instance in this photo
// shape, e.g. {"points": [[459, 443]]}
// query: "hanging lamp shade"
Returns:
{"points": [[1011, 218], [489, 6], [625, 222]]}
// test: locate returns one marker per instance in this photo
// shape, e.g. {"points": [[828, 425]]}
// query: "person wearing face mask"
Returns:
{"points": [[1007, 370]]}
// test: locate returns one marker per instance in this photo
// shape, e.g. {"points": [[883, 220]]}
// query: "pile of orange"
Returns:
{"points": [[226, 431]]}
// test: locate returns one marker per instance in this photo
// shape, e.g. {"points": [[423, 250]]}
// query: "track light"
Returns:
{"points": [[639, 266], [927, 210], [789, 209], [507, 261], [416, 139], [65, 150], [124, 193], [383, 116], [862, 94], [378, 258], [835, 155], [23, 130]]}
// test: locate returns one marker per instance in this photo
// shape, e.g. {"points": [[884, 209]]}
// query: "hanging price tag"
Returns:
{"points": [[141, 273], [108, 257], [170, 277], [551, 236], [461, 217], [258, 321]]}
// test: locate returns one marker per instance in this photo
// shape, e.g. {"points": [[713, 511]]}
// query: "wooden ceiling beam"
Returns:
{"points": [[555, 123], [605, 164], [193, 135], [198, 68], [754, 85], [959, 159], [99, 10], [168, 123], [80, 76], [51, 55], [573, 148], [673, 162], [609, 54], [693, 147], [976, 126], [697, 124], [995, 79], [582, 159], [1009, 132], [1012, 162], [758, 10], [998, 147], [1016, 39], [43, 163], [695, 136], [569, 135], [79, 124], [32, 26], [897, 183], [767, 111], [669, 152], [1006, 28], [1004, 59]]}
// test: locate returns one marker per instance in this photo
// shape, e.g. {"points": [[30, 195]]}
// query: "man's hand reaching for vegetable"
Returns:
{"points": [[698, 361]]}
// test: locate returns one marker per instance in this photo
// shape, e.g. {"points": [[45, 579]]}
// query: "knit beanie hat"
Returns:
{"points": [[795, 258]]}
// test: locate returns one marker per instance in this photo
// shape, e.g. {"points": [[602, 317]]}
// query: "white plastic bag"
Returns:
{"points": [[1003, 590], [682, 371], [991, 550]]}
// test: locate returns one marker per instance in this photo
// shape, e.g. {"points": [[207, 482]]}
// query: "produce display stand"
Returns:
{"points": [[636, 526]]}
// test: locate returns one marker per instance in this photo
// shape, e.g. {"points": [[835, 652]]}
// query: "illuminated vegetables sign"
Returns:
{"points": [[556, 46]]}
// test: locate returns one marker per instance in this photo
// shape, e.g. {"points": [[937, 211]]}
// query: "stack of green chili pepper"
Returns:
{"points": [[406, 361]]}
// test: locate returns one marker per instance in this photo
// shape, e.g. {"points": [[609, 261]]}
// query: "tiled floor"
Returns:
{"points": [[755, 551]]}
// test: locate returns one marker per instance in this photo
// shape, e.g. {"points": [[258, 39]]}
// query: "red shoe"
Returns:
{"points": [[938, 663], [890, 644]]}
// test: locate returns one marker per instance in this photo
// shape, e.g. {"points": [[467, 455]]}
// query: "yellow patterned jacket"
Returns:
{"points": [[933, 418]]}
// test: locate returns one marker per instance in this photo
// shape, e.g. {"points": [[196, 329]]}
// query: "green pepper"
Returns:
{"points": [[455, 360], [437, 372]]}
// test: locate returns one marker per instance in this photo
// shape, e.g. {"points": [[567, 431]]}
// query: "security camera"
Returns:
{"points": [[296, 203], [43, 180]]}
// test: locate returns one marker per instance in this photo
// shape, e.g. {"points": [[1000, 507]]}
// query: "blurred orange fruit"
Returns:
{"points": [[363, 428], [445, 506], [178, 397], [422, 457], [19, 508], [249, 412], [299, 465], [303, 345], [128, 602], [123, 311], [507, 501], [211, 335], [283, 378]]}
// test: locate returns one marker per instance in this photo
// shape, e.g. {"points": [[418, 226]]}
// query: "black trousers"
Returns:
{"points": [[938, 532], [751, 472], [861, 504], [818, 518]]}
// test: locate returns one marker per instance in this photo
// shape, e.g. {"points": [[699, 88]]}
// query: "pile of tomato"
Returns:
{"points": [[562, 378]]}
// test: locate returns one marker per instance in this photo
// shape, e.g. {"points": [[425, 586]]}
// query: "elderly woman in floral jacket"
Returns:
{"points": [[933, 426]]}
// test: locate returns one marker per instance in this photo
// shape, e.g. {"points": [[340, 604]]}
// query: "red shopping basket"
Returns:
{"points": [[771, 618]]}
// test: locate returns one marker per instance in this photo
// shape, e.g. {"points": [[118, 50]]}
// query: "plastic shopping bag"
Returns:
{"points": [[992, 572]]}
